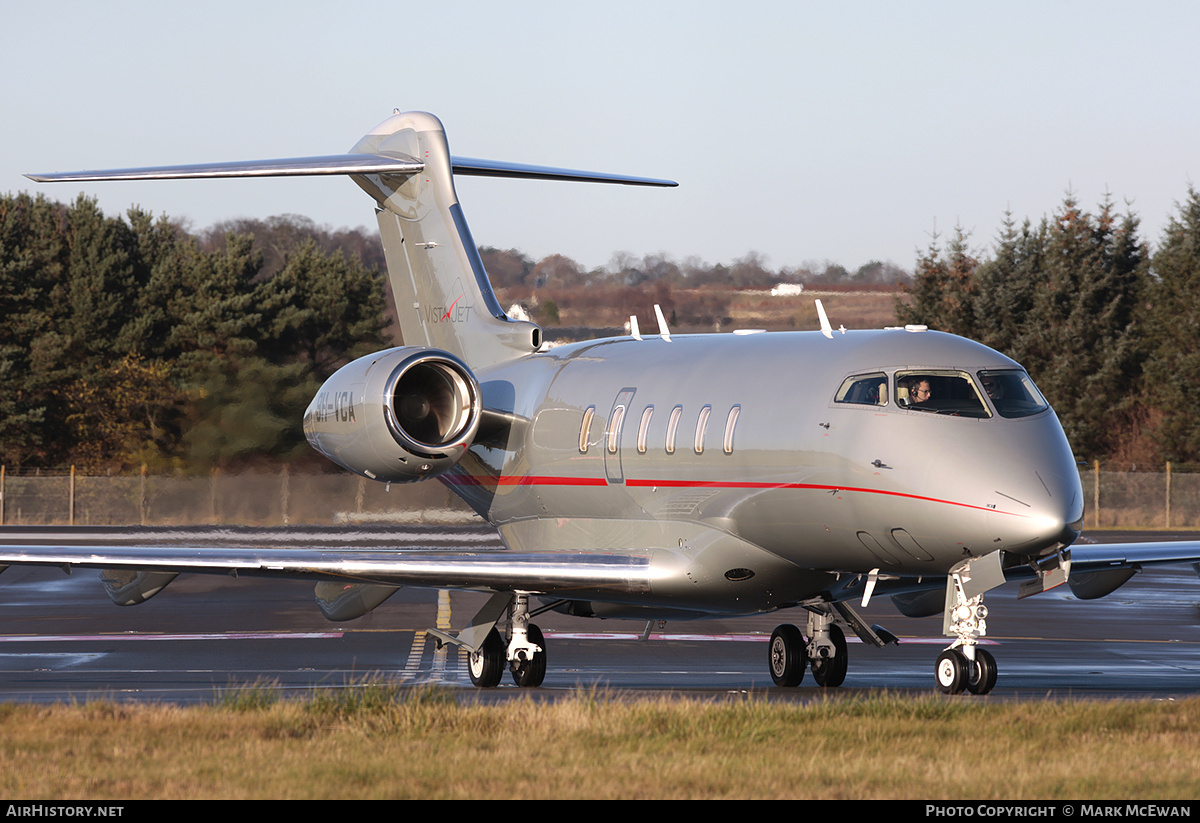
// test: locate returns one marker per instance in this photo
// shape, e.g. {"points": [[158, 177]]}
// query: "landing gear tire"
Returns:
{"points": [[982, 675], [951, 671], [830, 672], [486, 666], [529, 674], [787, 656]]}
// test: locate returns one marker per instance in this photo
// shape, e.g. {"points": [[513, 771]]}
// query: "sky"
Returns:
{"points": [[801, 131]]}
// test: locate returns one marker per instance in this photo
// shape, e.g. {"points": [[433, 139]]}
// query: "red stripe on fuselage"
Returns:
{"points": [[546, 480]]}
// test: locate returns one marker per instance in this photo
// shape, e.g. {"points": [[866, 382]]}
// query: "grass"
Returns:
{"points": [[379, 741]]}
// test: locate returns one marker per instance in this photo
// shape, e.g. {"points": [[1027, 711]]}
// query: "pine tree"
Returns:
{"points": [[321, 309], [1005, 288], [1172, 323], [1080, 342], [942, 295], [33, 255]]}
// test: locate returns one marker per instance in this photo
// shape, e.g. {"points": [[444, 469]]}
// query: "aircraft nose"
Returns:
{"points": [[1061, 518], [1048, 510], [1033, 516]]}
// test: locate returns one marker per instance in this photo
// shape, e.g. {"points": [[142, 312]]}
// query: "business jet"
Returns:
{"points": [[659, 476]]}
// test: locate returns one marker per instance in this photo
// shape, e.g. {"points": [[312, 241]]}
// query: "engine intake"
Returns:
{"points": [[399, 415], [430, 404]]}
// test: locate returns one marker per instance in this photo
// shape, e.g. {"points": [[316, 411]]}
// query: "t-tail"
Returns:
{"points": [[443, 295], [411, 412]]}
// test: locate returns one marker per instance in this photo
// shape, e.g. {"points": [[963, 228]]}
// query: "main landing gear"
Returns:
{"points": [[525, 652], [789, 654]]}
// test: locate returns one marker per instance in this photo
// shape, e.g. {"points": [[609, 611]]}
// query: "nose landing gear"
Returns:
{"points": [[955, 672], [965, 666]]}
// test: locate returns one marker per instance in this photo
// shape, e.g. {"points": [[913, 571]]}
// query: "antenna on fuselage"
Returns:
{"points": [[663, 331], [634, 331], [826, 328]]}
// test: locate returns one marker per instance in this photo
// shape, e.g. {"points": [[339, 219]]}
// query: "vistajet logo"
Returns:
{"points": [[459, 311]]}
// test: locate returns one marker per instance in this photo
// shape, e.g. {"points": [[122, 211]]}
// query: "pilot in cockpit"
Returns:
{"points": [[919, 392], [994, 389]]}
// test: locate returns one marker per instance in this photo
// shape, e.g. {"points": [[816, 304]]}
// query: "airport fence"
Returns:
{"points": [[67, 497], [1165, 496], [1115, 496]]}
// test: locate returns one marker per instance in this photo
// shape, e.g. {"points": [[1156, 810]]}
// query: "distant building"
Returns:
{"points": [[787, 290]]}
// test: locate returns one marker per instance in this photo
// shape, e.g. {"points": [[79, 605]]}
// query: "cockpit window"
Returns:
{"points": [[1012, 393], [865, 389], [940, 392]]}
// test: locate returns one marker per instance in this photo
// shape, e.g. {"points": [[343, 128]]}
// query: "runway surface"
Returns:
{"points": [[62, 639]]}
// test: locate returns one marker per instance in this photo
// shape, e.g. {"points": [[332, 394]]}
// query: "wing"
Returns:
{"points": [[539, 572], [1096, 569], [355, 574], [165, 553], [1092, 557]]}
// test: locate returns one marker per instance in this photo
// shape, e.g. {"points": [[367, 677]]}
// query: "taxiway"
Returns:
{"points": [[62, 639]]}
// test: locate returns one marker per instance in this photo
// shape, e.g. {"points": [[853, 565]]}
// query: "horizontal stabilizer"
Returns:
{"points": [[283, 167], [343, 164], [492, 168]]}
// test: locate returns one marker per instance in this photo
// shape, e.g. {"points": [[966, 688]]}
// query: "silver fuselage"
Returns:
{"points": [[707, 474], [798, 485]]}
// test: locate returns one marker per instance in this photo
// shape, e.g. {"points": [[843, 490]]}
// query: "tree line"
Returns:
{"points": [[511, 269], [1107, 328], [127, 341]]}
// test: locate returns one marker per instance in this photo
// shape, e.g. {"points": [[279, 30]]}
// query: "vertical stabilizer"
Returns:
{"points": [[442, 292]]}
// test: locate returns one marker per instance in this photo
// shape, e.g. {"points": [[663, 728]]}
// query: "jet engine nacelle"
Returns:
{"points": [[399, 415]]}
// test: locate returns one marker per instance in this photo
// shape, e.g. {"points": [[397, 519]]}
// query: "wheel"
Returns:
{"points": [[982, 676], [830, 672], [951, 671], [529, 674], [786, 655], [486, 666]]}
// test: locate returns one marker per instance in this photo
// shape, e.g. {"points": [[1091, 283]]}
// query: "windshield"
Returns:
{"points": [[1012, 393], [940, 392]]}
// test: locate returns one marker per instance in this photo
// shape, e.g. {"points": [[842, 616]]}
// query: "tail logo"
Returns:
{"points": [[457, 312]]}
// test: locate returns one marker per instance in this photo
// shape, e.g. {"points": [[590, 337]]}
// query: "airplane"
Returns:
{"points": [[663, 476]]}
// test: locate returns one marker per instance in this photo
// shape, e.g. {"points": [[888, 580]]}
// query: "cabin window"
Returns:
{"points": [[1012, 393], [584, 427], [672, 427], [864, 389], [730, 423], [614, 429], [951, 393], [701, 427], [644, 429]]}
